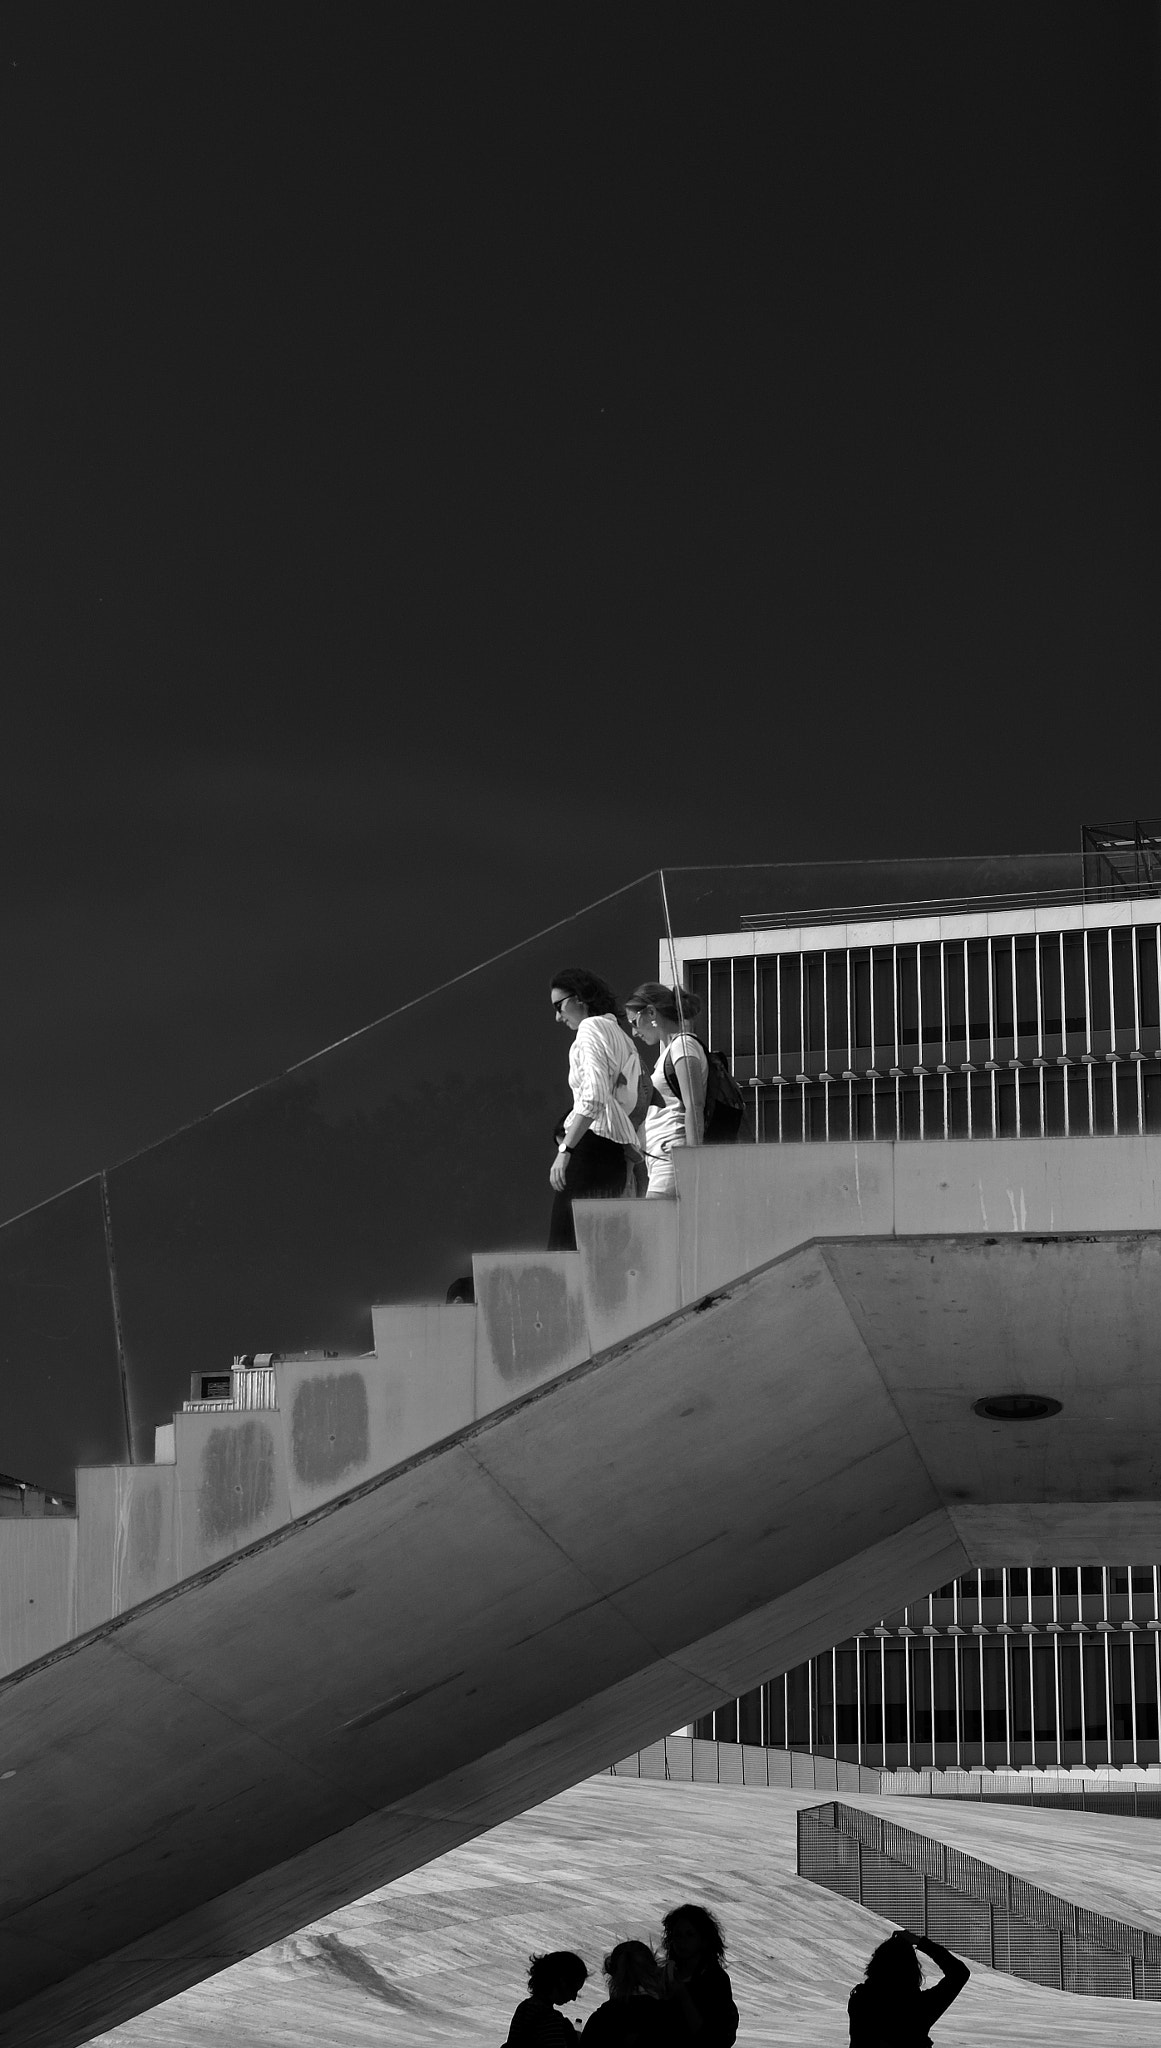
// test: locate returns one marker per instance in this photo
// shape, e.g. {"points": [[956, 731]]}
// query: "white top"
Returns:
{"points": [[603, 1073], [665, 1125]]}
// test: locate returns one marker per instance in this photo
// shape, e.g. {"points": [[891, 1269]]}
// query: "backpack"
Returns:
{"points": [[724, 1102]]}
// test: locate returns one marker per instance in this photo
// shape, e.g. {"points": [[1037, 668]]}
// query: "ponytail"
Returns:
{"points": [[676, 1005]]}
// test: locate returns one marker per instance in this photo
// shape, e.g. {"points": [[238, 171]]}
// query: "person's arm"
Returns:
{"points": [[691, 1082], [576, 1123], [586, 1102], [955, 1975]]}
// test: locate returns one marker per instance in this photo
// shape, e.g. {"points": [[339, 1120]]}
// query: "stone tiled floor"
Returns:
{"points": [[440, 1956]]}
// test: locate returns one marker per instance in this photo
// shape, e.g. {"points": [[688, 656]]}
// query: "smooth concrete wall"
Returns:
{"points": [[1065, 1532], [231, 1483], [342, 1421], [628, 1254], [38, 1572], [236, 1476], [741, 1206], [426, 1354], [141, 1528], [128, 1547], [1021, 1186], [530, 1322]]}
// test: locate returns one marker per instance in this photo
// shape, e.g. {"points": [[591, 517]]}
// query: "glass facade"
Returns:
{"points": [[1028, 1665]]}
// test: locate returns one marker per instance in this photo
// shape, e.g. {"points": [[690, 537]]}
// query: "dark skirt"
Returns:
{"points": [[596, 1169]]}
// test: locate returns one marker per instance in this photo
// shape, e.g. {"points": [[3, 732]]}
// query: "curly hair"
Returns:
{"points": [[589, 989], [559, 1974], [712, 1938]]}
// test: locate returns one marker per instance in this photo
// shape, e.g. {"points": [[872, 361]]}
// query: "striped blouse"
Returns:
{"points": [[603, 1072]]}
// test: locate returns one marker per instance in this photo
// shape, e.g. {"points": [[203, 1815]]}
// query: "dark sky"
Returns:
{"points": [[456, 458]]}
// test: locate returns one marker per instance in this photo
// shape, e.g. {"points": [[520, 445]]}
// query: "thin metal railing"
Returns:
{"points": [[1059, 1034]]}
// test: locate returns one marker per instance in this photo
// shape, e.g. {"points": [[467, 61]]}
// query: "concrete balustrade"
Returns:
{"points": [[225, 1478], [410, 1593], [742, 1206], [530, 1323], [629, 1257], [38, 1579]]}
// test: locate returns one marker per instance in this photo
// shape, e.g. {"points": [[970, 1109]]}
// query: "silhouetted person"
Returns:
{"points": [[636, 2013], [553, 1980], [701, 2003], [890, 2008]]}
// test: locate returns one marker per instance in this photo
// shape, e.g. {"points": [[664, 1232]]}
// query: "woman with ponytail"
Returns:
{"points": [[659, 1016]]}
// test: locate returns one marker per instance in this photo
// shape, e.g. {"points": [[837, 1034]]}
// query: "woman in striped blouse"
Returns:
{"points": [[603, 1072]]}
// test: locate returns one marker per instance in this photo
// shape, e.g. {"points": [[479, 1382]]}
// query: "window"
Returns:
{"points": [[1095, 1712], [847, 1698], [1019, 1679]]}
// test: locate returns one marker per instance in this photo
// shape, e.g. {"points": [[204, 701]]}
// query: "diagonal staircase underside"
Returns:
{"points": [[704, 1448]]}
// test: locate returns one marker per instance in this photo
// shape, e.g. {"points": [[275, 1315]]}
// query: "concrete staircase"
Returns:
{"points": [[292, 1433], [322, 1641], [298, 1431]]}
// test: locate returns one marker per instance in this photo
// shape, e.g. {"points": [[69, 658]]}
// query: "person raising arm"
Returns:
{"points": [[890, 2008]]}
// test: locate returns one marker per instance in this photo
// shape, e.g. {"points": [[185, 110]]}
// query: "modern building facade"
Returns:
{"points": [[932, 1023], [1028, 1021], [1047, 1667]]}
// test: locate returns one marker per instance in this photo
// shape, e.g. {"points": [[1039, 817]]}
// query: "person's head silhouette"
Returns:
{"points": [[894, 1969], [633, 1971], [557, 1978], [892, 2002], [693, 1939]]}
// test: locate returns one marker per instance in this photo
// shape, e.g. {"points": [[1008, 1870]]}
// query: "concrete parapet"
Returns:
{"points": [[629, 1258], [128, 1531], [1037, 1186], [425, 1356], [38, 1577], [743, 1205], [530, 1322], [231, 1484], [883, 1335]]}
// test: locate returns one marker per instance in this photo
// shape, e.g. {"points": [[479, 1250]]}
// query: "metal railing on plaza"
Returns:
{"points": [[975, 1908]]}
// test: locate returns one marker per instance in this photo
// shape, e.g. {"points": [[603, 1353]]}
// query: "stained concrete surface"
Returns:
{"points": [[336, 1699], [440, 1955], [457, 1639]]}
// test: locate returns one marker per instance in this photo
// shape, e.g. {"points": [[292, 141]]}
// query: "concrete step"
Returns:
{"points": [[298, 1431]]}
